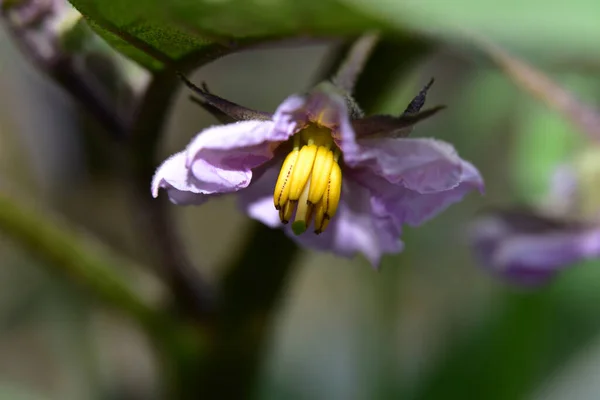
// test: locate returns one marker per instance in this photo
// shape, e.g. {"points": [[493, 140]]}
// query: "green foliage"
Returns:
{"points": [[176, 30], [155, 32], [539, 25]]}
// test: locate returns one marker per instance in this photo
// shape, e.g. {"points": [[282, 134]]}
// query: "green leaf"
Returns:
{"points": [[157, 32], [544, 141]]}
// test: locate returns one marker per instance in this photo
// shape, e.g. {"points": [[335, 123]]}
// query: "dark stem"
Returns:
{"points": [[94, 103], [250, 294], [192, 294], [62, 70]]}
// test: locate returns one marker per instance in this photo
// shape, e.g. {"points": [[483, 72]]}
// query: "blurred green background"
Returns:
{"points": [[430, 325]]}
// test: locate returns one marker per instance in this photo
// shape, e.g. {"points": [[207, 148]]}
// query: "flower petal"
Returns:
{"points": [[323, 105], [406, 206], [222, 157], [529, 256], [290, 116], [173, 176], [237, 136], [421, 165], [257, 199], [355, 228], [327, 107], [218, 160]]}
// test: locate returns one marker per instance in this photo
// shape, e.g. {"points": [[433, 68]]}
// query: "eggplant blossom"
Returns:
{"points": [[334, 179], [531, 246]]}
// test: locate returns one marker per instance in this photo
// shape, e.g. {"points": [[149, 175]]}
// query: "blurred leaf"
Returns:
{"points": [[552, 26], [489, 103], [155, 32], [543, 141]]}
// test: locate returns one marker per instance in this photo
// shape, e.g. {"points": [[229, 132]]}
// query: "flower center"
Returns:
{"points": [[310, 181]]}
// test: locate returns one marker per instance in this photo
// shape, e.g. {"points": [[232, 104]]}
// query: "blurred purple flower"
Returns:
{"points": [[356, 180], [528, 248], [37, 26]]}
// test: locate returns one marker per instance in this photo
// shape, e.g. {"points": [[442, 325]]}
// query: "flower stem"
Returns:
{"points": [[191, 292], [355, 61]]}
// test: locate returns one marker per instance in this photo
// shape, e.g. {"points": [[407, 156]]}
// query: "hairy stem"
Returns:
{"points": [[348, 72]]}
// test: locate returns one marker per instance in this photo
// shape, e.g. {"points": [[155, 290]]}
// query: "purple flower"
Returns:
{"points": [[38, 25], [529, 248], [317, 162]]}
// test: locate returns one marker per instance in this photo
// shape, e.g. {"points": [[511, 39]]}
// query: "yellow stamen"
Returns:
{"points": [[310, 181], [303, 212], [302, 169], [282, 187], [320, 174], [286, 212], [327, 207]]}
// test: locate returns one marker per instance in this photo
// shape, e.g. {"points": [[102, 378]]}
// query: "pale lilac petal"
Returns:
{"points": [[290, 116], [548, 251], [173, 176], [222, 158], [218, 160], [563, 193], [235, 141], [257, 199], [421, 165], [355, 229], [406, 206], [324, 106], [531, 254]]}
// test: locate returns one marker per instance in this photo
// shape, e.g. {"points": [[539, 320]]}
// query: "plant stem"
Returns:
{"points": [[192, 294], [354, 62]]}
